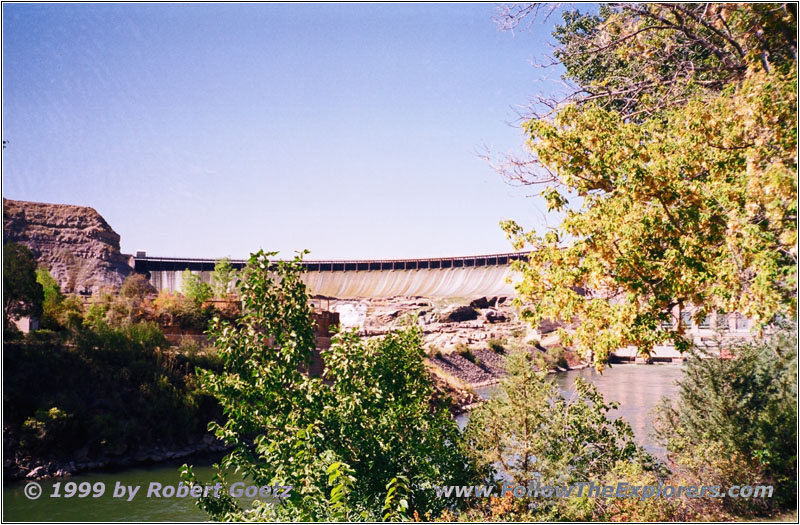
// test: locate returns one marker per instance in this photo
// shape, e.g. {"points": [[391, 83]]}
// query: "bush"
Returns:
{"points": [[175, 310], [531, 430], [557, 356], [497, 345], [465, 352], [136, 286], [736, 419], [194, 288]]}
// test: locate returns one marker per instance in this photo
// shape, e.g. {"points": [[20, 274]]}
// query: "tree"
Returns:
{"points": [[640, 58], [361, 442], [736, 418], [136, 286], [531, 432], [222, 277], [52, 298], [22, 294], [674, 194], [194, 288]]}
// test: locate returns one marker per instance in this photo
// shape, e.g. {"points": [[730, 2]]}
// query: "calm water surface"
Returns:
{"points": [[638, 389]]}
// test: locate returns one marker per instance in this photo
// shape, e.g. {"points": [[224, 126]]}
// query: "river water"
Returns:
{"points": [[638, 389]]}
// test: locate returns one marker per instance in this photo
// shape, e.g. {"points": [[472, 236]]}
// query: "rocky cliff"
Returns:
{"points": [[74, 242]]}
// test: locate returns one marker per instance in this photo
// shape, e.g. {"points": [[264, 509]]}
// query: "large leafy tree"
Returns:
{"points": [[674, 166], [364, 441], [22, 294]]}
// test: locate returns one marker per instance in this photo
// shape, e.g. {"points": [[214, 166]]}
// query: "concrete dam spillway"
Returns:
{"points": [[452, 277]]}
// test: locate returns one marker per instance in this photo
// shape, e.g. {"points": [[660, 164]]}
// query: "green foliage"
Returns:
{"points": [[530, 431], [736, 419], [108, 392], [370, 418], [464, 351], [223, 277], [22, 294], [194, 288], [95, 316], [557, 356], [497, 345], [640, 58], [696, 207], [175, 310], [52, 299], [674, 166]]}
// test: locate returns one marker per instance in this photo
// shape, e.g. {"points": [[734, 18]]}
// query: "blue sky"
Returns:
{"points": [[202, 130]]}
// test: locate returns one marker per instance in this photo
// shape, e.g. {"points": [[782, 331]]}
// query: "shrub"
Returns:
{"points": [[52, 299], [557, 356], [745, 409], [111, 390], [136, 286], [532, 430], [497, 345], [194, 288], [464, 351]]}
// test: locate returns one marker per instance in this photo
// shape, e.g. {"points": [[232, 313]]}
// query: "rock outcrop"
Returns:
{"points": [[74, 242]]}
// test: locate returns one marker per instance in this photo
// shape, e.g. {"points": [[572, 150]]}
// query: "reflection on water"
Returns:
{"points": [[637, 388]]}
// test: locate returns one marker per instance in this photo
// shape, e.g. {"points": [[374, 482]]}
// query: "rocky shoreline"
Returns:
{"points": [[18, 468]]}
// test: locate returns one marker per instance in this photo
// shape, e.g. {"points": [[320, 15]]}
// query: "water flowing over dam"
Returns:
{"points": [[456, 277]]}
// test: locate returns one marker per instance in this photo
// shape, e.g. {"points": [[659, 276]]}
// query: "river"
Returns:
{"points": [[638, 389]]}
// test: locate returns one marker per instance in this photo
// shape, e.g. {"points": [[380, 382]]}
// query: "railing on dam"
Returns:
{"points": [[144, 264]]}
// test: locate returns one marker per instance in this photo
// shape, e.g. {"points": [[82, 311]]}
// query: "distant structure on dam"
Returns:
{"points": [[456, 277]]}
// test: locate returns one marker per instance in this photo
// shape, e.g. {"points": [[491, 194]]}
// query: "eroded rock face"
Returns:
{"points": [[74, 242]]}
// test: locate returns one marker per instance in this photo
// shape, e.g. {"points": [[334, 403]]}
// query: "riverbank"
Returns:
{"points": [[484, 367], [27, 467]]}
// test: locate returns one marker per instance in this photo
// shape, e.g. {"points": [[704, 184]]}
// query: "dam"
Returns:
{"points": [[449, 277]]}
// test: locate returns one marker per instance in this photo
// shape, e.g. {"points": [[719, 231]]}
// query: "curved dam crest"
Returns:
{"points": [[449, 282], [461, 277]]}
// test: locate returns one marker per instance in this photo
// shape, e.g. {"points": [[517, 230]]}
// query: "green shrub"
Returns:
{"points": [[147, 335], [518, 332], [736, 419], [464, 351], [557, 357], [194, 288], [497, 345], [43, 335]]}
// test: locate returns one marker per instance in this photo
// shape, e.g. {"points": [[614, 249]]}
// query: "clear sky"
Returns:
{"points": [[204, 130]]}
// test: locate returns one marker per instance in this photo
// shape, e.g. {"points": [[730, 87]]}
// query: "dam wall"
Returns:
{"points": [[458, 277]]}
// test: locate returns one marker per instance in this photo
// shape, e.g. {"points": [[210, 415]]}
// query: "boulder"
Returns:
{"points": [[495, 316], [483, 302], [458, 313]]}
